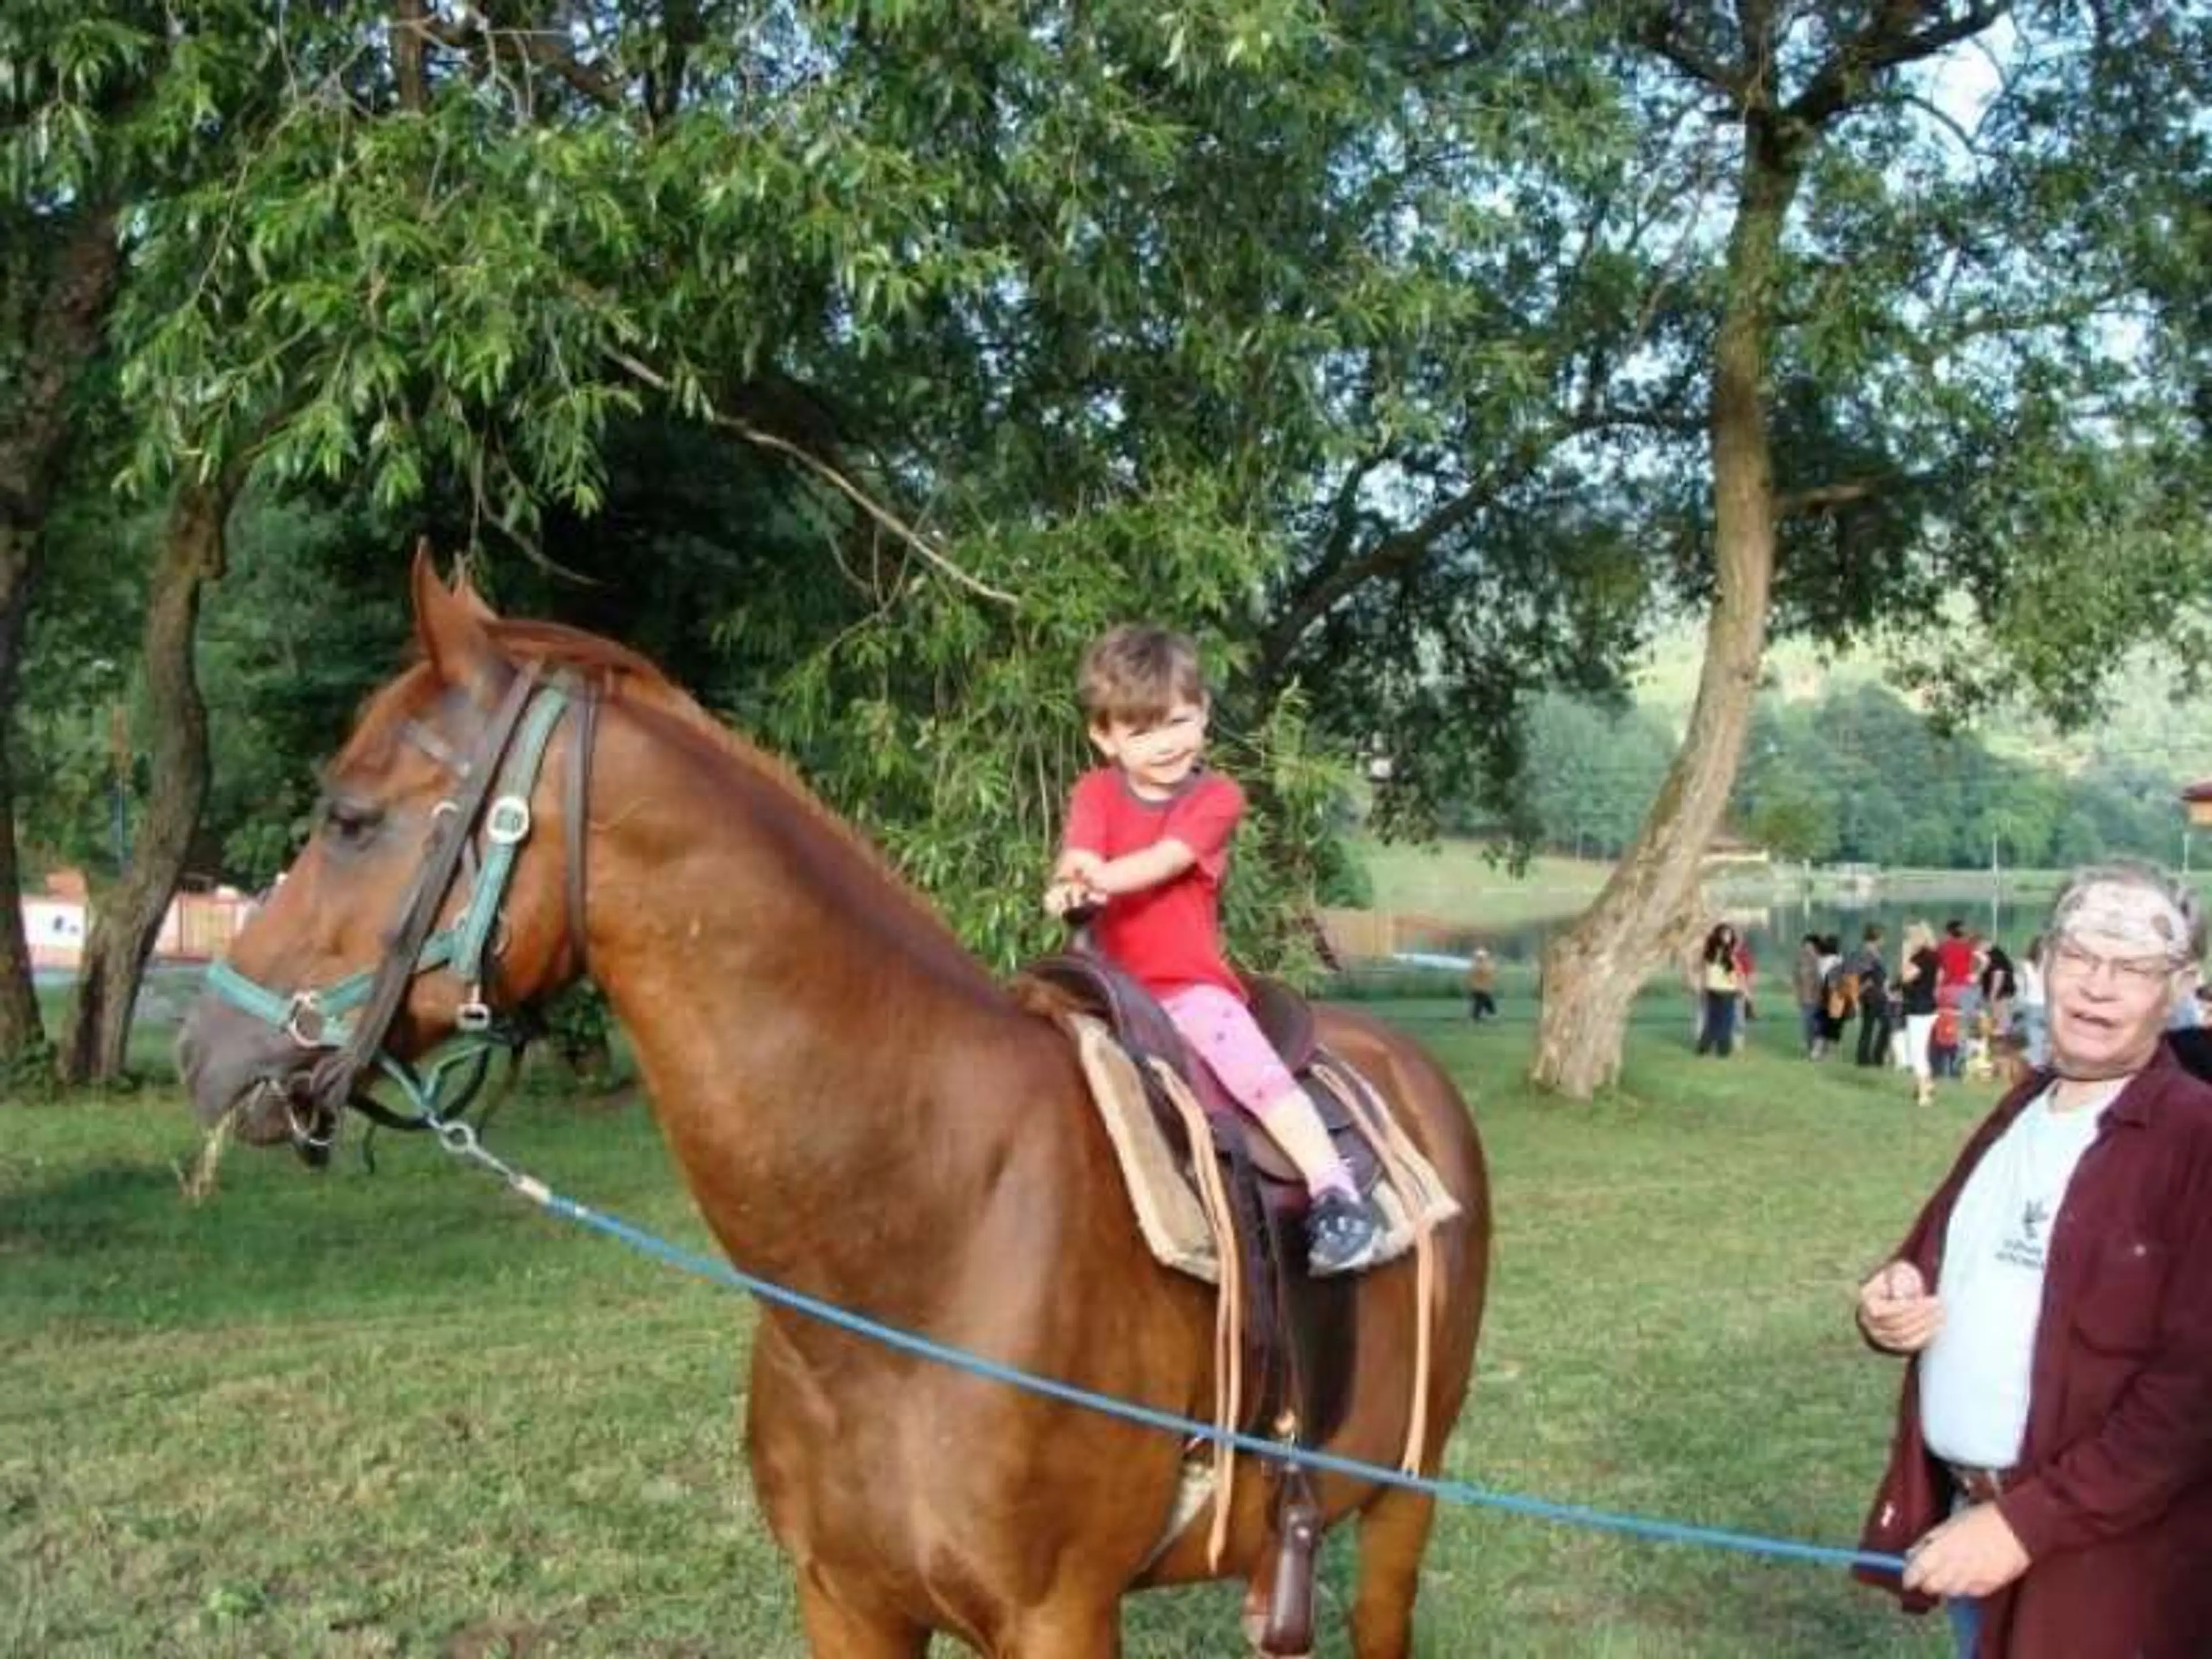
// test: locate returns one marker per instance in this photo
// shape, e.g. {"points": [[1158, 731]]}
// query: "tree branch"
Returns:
{"points": [[1656, 31], [539, 48], [1889, 39], [836, 480], [1820, 498]]}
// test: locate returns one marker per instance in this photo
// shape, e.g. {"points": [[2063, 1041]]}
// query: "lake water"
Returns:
{"points": [[1774, 929]]}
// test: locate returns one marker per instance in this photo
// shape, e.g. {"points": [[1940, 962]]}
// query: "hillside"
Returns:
{"points": [[2143, 721]]}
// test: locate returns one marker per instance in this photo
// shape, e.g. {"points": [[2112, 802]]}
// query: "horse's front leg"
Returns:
{"points": [[843, 1627], [1070, 1627]]}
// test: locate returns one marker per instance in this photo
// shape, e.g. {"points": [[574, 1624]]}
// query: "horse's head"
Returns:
{"points": [[430, 899]]}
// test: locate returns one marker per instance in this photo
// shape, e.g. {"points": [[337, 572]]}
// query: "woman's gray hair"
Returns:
{"points": [[2130, 898]]}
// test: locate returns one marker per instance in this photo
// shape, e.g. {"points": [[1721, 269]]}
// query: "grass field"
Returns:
{"points": [[406, 1414]]}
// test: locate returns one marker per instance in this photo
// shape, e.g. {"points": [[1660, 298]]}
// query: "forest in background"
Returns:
{"points": [[1841, 766]]}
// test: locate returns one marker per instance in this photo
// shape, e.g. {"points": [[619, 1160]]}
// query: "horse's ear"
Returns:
{"points": [[452, 626], [465, 590]]}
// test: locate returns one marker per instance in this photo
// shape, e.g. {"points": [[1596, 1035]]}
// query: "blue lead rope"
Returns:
{"points": [[460, 1139]]}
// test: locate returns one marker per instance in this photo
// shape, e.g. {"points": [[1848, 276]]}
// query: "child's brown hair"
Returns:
{"points": [[1135, 673]]}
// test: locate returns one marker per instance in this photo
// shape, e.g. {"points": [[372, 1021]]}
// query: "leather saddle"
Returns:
{"points": [[1300, 1333]]}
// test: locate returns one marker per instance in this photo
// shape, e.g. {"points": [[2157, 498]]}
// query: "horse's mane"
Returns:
{"points": [[620, 673]]}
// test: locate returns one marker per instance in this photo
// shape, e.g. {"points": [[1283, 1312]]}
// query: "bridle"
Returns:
{"points": [[494, 783]]}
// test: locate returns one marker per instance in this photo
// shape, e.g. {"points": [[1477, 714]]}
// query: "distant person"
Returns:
{"points": [[1954, 955], [2049, 1476], [1918, 973], [2187, 1012], [2033, 1009], [1721, 987], [1866, 965], [1966, 993], [1744, 968], [1838, 999], [2000, 988], [1805, 981], [1481, 986], [1945, 1037]]}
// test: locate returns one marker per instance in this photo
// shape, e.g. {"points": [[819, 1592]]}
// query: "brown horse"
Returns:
{"points": [[862, 1113]]}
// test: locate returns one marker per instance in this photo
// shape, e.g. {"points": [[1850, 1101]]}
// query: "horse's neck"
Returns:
{"points": [[794, 1022]]}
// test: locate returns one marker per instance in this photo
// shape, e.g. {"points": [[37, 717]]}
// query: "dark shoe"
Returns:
{"points": [[1342, 1234]]}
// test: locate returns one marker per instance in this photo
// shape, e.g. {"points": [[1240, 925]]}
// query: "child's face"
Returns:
{"points": [[1155, 755]]}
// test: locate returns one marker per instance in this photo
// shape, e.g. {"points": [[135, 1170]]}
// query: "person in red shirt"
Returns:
{"points": [[1955, 956], [1147, 841]]}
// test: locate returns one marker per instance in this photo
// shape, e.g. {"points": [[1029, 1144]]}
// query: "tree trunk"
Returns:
{"points": [[1593, 970], [56, 303], [21, 1029], [128, 919]]}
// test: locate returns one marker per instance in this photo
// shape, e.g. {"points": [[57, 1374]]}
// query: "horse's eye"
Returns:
{"points": [[350, 823]]}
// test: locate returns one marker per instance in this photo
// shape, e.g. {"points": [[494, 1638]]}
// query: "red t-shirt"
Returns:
{"points": [[1168, 936], [1955, 960]]}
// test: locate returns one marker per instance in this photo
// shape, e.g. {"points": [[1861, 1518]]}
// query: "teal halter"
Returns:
{"points": [[345, 1024]]}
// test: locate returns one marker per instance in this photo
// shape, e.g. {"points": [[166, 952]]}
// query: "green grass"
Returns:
{"points": [[407, 1414], [1454, 880]]}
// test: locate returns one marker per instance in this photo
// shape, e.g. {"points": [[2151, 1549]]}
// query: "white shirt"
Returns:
{"points": [[1974, 1376], [2030, 975]]}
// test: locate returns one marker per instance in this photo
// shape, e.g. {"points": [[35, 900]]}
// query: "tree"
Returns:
{"points": [[129, 914], [1907, 307], [95, 104], [1389, 349], [1091, 284], [59, 263]]}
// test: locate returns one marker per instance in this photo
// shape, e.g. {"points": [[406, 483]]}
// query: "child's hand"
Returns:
{"points": [[1077, 863], [1063, 897]]}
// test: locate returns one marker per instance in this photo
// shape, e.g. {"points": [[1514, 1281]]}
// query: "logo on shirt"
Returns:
{"points": [[2024, 1245]]}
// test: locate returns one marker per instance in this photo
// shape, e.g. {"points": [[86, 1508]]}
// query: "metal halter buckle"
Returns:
{"points": [[475, 1013], [506, 821], [305, 1003]]}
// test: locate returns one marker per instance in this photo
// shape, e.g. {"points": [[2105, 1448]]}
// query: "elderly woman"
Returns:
{"points": [[2051, 1475]]}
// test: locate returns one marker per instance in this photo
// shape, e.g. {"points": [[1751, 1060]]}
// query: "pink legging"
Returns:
{"points": [[1222, 1032]]}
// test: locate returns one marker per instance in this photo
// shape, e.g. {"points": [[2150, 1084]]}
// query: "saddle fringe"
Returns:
{"points": [[1228, 1304], [1395, 1149]]}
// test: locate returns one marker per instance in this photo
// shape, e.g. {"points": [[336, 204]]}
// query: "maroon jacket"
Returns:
{"points": [[2113, 1503]]}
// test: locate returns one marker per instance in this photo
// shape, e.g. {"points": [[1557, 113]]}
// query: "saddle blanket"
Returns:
{"points": [[1168, 1212]]}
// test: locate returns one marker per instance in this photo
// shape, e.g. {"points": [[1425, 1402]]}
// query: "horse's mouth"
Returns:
{"points": [[275, 1109], [252, 1079]]}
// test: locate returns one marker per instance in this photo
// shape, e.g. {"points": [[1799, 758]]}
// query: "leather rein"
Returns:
{"points": [[494, 783]]}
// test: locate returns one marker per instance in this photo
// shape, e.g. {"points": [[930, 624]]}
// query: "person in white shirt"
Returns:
{"points": [[2034, 1010]]}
